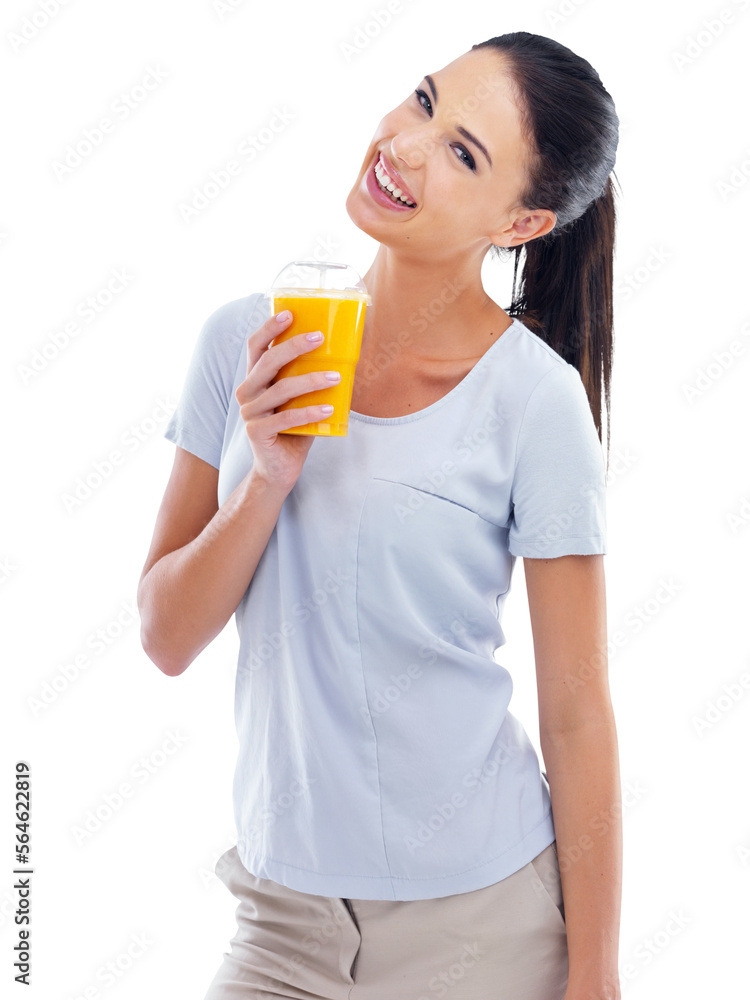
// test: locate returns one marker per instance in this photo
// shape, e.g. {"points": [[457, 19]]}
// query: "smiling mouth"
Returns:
{"points": [[385, 184]]}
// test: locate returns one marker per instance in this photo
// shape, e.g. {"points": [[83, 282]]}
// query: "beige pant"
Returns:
{"points": [[506, 941]]}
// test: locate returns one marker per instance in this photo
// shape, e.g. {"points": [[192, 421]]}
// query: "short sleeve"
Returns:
{"points": [[199, 422], [558, 492]]}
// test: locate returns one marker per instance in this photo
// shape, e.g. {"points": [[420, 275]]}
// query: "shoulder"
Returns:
{"points": [[540, 374], [233, 321], [554, 412], [223, 333], [219, 347]]}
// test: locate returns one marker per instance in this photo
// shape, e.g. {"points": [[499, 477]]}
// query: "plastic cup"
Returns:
{"points": [[331, 298]]}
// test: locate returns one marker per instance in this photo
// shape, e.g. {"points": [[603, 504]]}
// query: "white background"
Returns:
{"points": [[679, 468]]}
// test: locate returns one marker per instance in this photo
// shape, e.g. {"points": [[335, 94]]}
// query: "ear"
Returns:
{"points": [[526, 227]]}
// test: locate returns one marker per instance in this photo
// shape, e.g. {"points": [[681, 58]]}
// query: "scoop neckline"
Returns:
{"points": [[455, 391]]}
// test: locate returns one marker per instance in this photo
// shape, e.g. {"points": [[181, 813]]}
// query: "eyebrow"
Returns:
{"points": [[460, 128]]}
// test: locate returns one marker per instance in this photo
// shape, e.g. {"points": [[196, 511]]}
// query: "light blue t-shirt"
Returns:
{"points": [[377, 756]]}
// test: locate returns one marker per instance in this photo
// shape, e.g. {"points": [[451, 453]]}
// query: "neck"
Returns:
{"points": [[432, 309]]}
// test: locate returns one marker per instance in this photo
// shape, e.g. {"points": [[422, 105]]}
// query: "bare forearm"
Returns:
{"points": [[583, 771], [189, 595]]}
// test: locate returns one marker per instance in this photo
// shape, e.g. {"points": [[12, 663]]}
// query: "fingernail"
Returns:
{"points": [[333, 376], [282, 317], [315, 336]]}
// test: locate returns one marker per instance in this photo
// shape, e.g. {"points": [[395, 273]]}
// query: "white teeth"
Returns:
{"points": [[386, 183]]}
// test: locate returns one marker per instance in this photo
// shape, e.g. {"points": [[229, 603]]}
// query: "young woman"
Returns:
{"points": [[396, 837]]}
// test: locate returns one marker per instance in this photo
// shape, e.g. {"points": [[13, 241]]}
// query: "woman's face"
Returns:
{"points": [[465, 195]]}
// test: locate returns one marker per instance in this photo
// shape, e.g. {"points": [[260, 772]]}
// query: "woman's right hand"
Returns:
{"points": [[278, 458]]}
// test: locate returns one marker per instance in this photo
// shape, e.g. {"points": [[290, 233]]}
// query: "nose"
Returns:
{"points": [[410, 147]]}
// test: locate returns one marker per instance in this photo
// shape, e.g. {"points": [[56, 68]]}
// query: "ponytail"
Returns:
{"points": [[565, 296]]}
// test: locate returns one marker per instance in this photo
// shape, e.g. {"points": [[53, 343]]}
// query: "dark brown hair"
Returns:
{"points": [[572, 130]]}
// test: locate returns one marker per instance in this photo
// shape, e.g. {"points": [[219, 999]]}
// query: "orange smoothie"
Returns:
{"points": [[341, 318]]}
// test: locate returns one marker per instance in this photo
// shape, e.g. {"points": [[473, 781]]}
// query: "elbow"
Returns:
{"points": [[168, 665], [161, 645], [155, 650]]}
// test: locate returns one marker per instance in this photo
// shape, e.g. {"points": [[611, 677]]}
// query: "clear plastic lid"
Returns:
{"points": [[312, 277]]}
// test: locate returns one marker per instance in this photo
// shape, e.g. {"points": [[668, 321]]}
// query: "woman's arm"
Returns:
{"points": [[578, 739], [202, 559]]}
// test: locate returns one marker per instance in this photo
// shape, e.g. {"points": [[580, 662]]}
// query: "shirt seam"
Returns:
{"points": [[180, 431], [364, 684], [566, 538], [438, 496]]}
